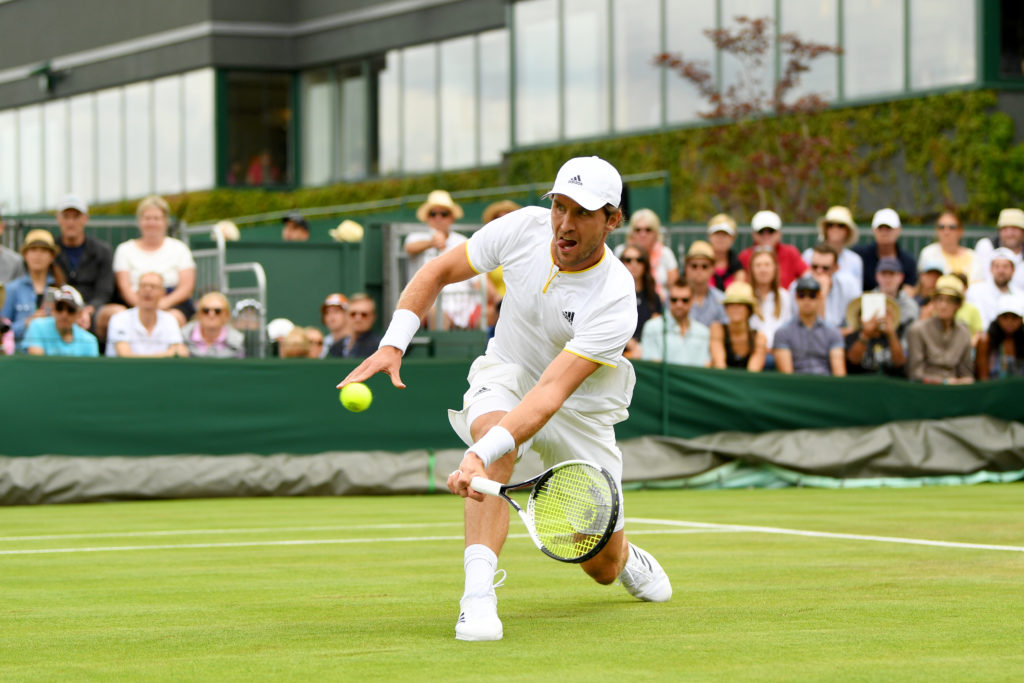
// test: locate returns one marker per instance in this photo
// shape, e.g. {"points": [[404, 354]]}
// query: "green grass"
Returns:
{"points": [[747, 605]]}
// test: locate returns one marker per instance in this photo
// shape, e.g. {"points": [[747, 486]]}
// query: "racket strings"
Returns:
{"points": [[572, 510]]}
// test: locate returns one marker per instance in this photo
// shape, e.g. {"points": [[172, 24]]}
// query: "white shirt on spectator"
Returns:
{"points": [[126, 327], [985, 297], [460, 300], [773, 316], [171, 258], [983, 265]]}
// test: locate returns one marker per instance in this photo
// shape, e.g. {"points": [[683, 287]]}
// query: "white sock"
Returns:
{"points": [[480, 563]]}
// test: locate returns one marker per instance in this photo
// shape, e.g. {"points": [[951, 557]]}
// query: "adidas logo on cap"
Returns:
{"points": [[576, 180]]}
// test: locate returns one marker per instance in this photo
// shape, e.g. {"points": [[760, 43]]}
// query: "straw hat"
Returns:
{"points": [[841, 215], [1011, 218], [438, 199], [39, 238], [499, 208], [722, 222], [950, 285], [741, 293], [347, 231], [700, 249], [853, 320]]}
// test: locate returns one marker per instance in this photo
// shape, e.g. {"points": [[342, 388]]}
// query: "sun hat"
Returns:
{"points": [[700, 249], [500, 207], [591, 182], [1011, 218], [347, 231], [841, 215], [439, 199], [39, 238], [950, 285], [228, 230], [741, 293], [722, 222]]}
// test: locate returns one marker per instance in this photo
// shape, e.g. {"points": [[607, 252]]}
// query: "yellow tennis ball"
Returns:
{"points": [[356, 397]]}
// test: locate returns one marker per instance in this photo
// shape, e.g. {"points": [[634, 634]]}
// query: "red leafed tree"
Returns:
{"points": [[785, 170]]}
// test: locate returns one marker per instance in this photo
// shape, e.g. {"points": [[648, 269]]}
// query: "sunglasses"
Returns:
{"points": [[208, 310], [698, 265], [439, 214], [632, 259], [62, 307], [765, 231], [837, 225], [806, 294], [359, 314], [947, 226], [679, 299]]}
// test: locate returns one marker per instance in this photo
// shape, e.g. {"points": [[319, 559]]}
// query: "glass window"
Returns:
{"points": [[1011, 40], [419, 108], [318, 98], [585, 36], [30, 157], [815, 21], [942, 43], [259, 128], [637, 81], [872, 47], [354, 130], [9, 200], [55, 123], [167, 137], [200, 157], [458, 103], [138, 132], [687, 22], [110, 144], [82, 147], [493, 92], [536, 53], [760, 82], [389, 104]]}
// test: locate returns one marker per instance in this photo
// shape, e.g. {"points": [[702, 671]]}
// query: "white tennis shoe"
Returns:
{"points": [[643, 577], [478, 615]]}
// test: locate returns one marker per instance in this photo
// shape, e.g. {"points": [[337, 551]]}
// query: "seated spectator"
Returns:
{"points": [[675, 338], [26, 296], [645, 231], [145, 330], [985, 294], [277, 330], [706, 306], [155, 252], [948, 232], [885, 229], [59, 335], [648, 303], [721, 236], [837, 228], [210, 334], [495, 278], [361, 341], [316, 341], [939, 347], [767, 227], [968, 313], [737, 344], [11, 265], [295, 344], [873, 346], [806, 345], [1010, 237], [86, 261], [775, 304], [334, 316], [1001, 351], [889, 275], [296, 228], [928, 274], [836, 292]]}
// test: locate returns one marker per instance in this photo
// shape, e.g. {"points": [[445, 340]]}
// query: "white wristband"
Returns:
{"points": [[403, 327], [495, 443]]}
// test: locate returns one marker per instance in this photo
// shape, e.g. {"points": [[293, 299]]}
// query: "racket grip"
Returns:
{"points": [[485, 485]]}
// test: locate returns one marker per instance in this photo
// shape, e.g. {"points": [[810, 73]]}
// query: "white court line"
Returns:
{"points": [[826, 534], [299, 542], [241, 530]]}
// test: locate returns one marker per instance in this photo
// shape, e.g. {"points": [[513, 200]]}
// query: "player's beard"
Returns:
{"points": [[581, 253]]}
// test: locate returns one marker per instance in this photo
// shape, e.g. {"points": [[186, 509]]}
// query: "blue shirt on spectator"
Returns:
{"points": [[21, 303], [42, 333], [810, 346], [661, 343], [711, 310]]}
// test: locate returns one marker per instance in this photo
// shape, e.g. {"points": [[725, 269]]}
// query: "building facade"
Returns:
{"points": [[115, 100]]}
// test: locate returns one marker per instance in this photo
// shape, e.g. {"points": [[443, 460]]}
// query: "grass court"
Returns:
{"points": [[892, 584]]}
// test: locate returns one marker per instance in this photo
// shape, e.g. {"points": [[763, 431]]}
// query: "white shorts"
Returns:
{"points": [[568, 435]]}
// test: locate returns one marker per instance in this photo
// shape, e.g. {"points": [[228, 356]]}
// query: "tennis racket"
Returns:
{"points": [[571, 512]]}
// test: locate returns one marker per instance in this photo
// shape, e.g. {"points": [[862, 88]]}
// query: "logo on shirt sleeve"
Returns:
{"points": [[569, 315]]}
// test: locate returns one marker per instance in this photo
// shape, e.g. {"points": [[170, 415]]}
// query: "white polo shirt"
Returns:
{"points": [[126, 326], [590, 313]]}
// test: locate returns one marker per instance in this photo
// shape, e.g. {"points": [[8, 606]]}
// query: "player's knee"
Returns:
{"points": [[604, 573]]}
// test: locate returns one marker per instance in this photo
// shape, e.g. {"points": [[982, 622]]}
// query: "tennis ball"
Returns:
{"points": [[356, 397]]}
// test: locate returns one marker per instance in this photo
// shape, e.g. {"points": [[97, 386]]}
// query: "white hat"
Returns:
{"points": [[68, 295], [72, 201], [1004, 254], [886, 217], [1011, 218], [589, 181], [766, 219], [1010, 303], [278, 328]]}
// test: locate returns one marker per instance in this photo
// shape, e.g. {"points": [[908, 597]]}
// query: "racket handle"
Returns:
{"points": [[485, 485]]}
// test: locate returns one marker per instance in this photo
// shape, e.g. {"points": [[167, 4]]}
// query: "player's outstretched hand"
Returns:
{"points": [[458, 481], [387, 359]]}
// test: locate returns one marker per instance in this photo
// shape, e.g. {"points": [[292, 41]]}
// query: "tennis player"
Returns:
{"points": [[553, 378]]}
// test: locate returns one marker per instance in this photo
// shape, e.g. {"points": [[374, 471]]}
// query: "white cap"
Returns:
{"points": [[72, 201], [766, 219], [279, 328], [589, 181], [886, 217], [1011, 218], [1010, 303], [68, 295], [1004, 254]]}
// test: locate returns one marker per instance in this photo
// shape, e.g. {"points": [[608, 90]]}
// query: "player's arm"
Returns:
{"points": [[558, 382], [417, 298]]}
